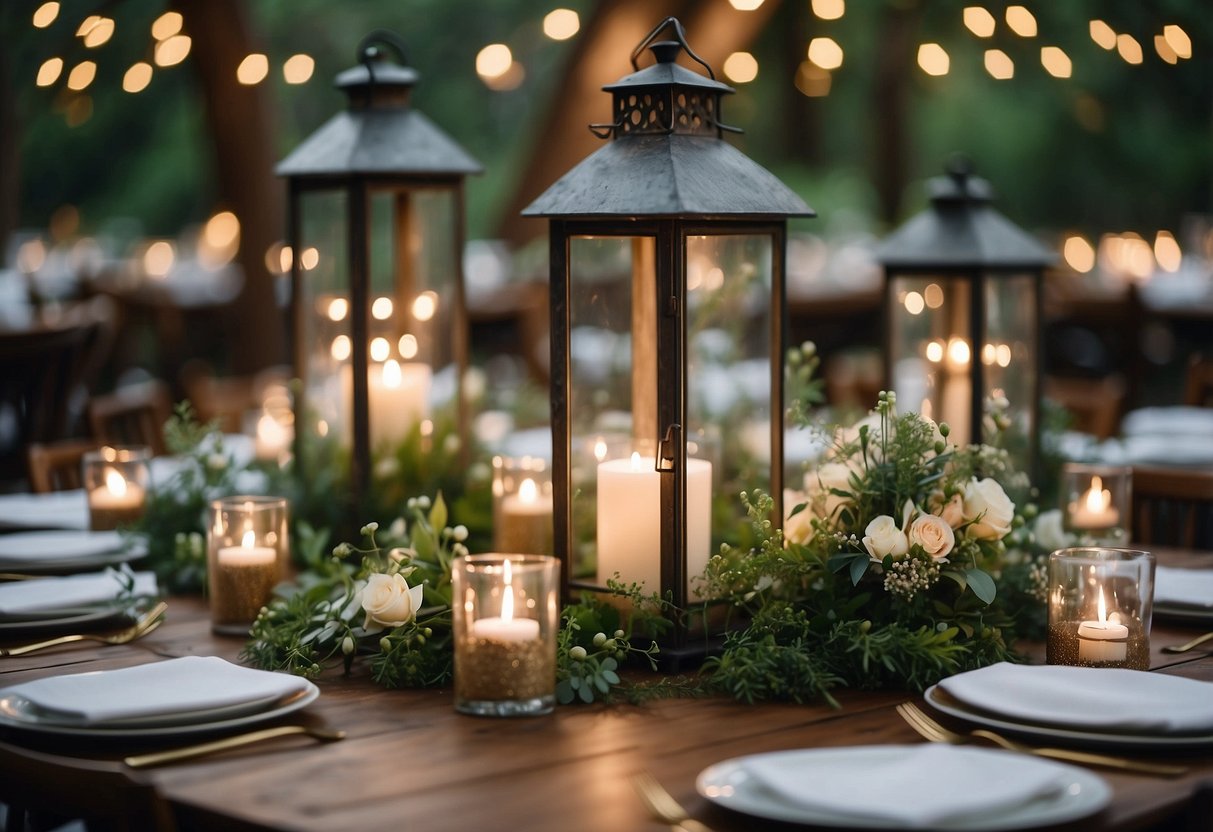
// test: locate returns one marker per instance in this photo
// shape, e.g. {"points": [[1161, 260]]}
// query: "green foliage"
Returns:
{"points": [[587, 659]]}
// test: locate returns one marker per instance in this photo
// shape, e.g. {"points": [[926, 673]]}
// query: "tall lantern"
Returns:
{"points": [[667, 329], [963, 314], [376, 219]]}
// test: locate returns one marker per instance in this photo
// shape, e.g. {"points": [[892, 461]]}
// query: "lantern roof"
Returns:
{"points": [[961, 229], [666, 156], [379, 134]]}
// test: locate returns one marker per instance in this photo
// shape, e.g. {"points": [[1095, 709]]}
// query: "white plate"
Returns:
{"points": [[14, 715], [57, 551], [1179, 612], [18, 625], [728, 784], [20, 708], [940, 701]]}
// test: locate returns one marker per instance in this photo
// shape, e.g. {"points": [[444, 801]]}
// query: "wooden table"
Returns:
{"points": [[411, 762]]}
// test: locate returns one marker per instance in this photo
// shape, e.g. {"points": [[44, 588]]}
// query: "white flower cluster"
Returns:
{"points": [[905, 578]]}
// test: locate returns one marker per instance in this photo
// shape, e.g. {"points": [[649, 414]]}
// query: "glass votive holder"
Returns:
{"points": [[117, 481], [1100, 604], [506, 615], [247, 551], [1097, 500], [522, 505]]}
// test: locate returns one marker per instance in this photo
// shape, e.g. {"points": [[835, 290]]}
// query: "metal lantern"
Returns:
{"points": [[667, 306], [376, 227], [963, 315]]}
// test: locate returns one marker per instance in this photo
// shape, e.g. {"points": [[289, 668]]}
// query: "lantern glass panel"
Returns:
{"points": [[729, 359], [929, 349], [325, 319], [1009, 354], [613, 409]]}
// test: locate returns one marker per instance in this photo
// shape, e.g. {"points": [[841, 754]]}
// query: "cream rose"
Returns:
{"points": [[989, 508], [933, 534], [797, 528], [953, 511], [883, 537], [389, 601], [820, 482]]}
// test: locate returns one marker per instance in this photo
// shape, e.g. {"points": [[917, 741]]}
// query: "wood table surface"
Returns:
{"points": [[411, 762]]}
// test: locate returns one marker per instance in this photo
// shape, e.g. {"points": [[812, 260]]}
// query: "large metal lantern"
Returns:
{"points": [[667, 306], [376, 226], [963, 315]]}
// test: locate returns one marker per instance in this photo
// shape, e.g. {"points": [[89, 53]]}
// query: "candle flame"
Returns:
{"points": [[249, 540], [391, 373], [507, 597], [1097, 497], [528, 492], [636, 460], [115, 483], [1103, 609], [600, 449]]}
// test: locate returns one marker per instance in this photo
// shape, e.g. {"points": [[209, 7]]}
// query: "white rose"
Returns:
{"points": [[953, 511], [933, 534], [820, 482], [989, 508], [883, 537], [389, 601], [1050, 532], [797, 529]]}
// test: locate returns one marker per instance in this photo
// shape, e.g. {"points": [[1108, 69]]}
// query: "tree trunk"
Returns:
{"points": [[893, 72], [240, 124]]}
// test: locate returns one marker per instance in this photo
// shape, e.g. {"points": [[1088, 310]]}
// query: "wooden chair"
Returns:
{"points": [[102, 793], [56, 466], [133, 415], [1173, 506], [1198, 387], [1095, 404]]}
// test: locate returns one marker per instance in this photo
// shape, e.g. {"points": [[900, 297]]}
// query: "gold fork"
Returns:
{"points": [[933, 731], [191, 751], [1186, 646], [662, 805], [146, 623]]}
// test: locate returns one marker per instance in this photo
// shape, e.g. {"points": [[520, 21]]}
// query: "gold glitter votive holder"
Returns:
{"points": [[1097, 501], [116, 481], [522, 505], [247, 551], [1100, 603], [506, 614]]}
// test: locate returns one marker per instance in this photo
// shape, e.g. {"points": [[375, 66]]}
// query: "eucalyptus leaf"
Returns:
{"points": [[982, 584]]}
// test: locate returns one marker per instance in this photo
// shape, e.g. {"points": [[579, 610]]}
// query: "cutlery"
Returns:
{"points": [[238, 741], [662, 805], [146, 623], [933, 731], [1184, 648]]}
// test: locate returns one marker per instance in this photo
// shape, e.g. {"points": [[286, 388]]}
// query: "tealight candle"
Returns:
{"points": [[247, 555], [115, 480], [272, 439], [1094, 510], [525, 521], [1102, 640], [505, 623]]}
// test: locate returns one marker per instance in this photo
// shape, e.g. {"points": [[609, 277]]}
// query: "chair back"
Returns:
{"points": [[133, 415], [1173, 506], [58, 466], [1095, 404]]}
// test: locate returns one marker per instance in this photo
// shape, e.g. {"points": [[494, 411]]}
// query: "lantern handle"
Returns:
{"points": [[680, 35], [665, 449], [368, 50]]}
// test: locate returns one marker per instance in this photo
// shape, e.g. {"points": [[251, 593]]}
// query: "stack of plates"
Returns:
{"points": [[905, 787], [1184, 593], [56, 552], [174, 698], [90, 599], [1088, 706]]}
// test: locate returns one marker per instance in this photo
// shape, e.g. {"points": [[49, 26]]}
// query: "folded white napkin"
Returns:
{"points": [[911, 786], [53, 510], [58, 545], [1102, 699], [72, 591], [1168, 421], [176, 686], [1185, 587]]}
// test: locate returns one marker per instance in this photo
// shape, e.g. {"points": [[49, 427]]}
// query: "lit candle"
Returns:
{"points": [[398, 396], [247, 554], [629, 519], [1102, 640], [116, 502], [526, 521], [506, 628], [273, 439], [1094, 510]]}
